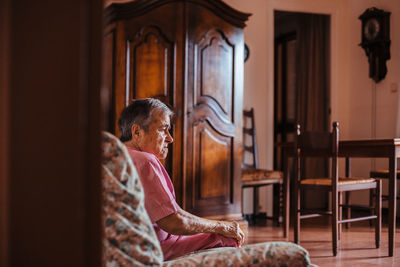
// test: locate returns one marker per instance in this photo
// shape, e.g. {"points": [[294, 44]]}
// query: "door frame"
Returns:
{"points": [[4, 127], [86, 31]]}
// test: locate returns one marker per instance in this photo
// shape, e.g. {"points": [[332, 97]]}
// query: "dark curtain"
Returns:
{"points": [[313, 91], [313, 72]]}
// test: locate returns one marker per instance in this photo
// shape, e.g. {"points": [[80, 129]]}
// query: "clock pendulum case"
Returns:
{"points": [[375, 39]]}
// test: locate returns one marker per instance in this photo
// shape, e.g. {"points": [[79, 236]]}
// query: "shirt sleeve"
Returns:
{"points": [[158, 197]]}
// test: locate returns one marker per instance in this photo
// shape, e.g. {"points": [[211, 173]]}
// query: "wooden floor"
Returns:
{"points": [[357, 246]]}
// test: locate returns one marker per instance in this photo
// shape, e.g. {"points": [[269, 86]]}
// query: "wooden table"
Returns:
{"points": [[368, 148], [378, 148]]}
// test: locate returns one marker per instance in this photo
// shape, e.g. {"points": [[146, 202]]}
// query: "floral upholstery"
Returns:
{"points": [[261, 254], [129, 237]]}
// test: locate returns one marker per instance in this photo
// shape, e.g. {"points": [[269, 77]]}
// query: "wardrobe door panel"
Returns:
{"points": [[214, 123], [213, 76], [150, 47], [151, 57], [215, 163], [149, 63]]}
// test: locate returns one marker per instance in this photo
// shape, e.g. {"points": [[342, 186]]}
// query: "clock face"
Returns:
{"points": [[371, 29]]}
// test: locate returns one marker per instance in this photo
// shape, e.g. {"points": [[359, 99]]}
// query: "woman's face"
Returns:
{"points": [[157, 138]]}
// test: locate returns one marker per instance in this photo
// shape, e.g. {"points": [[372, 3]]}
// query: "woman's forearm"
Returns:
{"points": [[184, 223]]}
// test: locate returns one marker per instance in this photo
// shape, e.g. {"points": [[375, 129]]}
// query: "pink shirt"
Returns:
{"points": [[158, 189], [160, 202]]}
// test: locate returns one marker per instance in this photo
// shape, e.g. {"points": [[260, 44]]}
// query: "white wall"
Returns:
{"points": [[378, 102], [352, 90]]}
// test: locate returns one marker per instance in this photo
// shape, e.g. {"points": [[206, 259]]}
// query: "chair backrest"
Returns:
{"points": [[249, 133], [129, 237], [318, 144]]}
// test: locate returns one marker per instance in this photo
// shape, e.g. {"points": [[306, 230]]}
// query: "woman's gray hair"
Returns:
{"points": [[139, 112]]}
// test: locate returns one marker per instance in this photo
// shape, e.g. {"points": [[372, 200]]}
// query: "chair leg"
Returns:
{"points": [[340, 214], [286, 195], [276, 203], [242, 204], [255, 204], [334, 223], [371, 203], [297, 214], [255, 200], [348, 209], [286, 210], [378, 212]]}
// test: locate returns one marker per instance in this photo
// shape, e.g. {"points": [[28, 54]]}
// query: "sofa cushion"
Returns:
{"points": [[261, 254], [129, 237]]}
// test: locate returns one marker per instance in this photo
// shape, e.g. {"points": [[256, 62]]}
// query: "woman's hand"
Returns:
{"points": [[232, 230]]}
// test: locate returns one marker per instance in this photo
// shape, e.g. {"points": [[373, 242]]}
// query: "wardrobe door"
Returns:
{"points": [[148, 63], [214, 123]]}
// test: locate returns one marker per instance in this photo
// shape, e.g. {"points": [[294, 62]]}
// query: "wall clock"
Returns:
{"points": [[371, 29], [375, 39]]}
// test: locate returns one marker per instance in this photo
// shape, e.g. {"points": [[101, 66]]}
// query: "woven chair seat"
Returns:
{"points": [[342, 181], [260, 174]]}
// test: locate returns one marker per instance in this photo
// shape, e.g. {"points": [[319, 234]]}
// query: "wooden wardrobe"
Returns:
{"points": [[190, 55]]}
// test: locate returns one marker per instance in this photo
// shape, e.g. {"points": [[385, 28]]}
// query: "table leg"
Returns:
{"points": [[392, 201], [255, 204], [286, 196]]}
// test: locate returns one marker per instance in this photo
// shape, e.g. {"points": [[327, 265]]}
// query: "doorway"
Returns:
{"points": [[301, 86]]}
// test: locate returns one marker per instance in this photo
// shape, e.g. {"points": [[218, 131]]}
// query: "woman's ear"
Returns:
{"points": [[136, 132]]}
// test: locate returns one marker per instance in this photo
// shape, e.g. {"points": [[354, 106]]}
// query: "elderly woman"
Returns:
{"points": [[144, 126]]}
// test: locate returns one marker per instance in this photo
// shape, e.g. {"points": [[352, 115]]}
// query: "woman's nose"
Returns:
{"points": [[169, 138]]}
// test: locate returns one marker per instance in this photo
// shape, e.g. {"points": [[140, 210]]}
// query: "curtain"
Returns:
{"points": [[313, 103], [313, 72]]}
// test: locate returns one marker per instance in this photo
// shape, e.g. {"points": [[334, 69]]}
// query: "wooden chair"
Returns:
{"points": [[377, 174], [381, 174], [326, 145], [253, 177]]}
